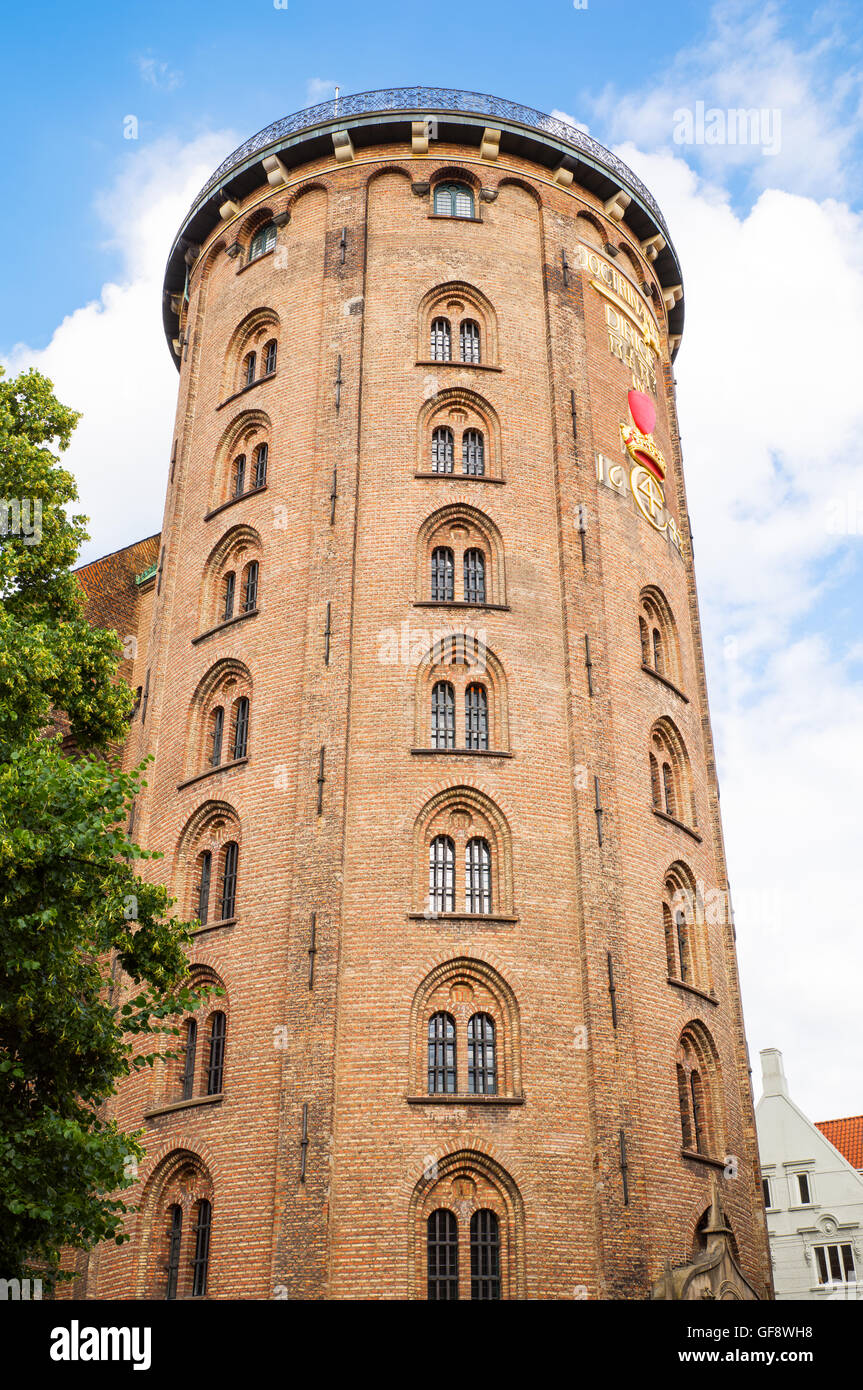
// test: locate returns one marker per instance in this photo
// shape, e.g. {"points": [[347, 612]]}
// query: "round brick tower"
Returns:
{"points": [[423, 681]]}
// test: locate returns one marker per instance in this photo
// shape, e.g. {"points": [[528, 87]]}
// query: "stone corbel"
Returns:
{"points": [[672, 295], [490, 147], [653, 245], [419, 137], [616, 206], [343, 146], [275, 170], [281, 219], [228, 209], [565, 171], [488, 195], [421, 188]]}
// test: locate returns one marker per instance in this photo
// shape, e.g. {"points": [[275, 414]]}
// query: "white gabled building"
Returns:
{"points": [[813, 1197]]}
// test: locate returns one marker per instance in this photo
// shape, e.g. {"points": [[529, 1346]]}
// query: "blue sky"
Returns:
{"points": [[769, 372]]}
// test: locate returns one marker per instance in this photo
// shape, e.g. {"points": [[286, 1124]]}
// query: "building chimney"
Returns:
{"points": [[773, 1072]]}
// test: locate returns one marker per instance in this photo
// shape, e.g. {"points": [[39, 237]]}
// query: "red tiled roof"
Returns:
{"points": [[846, 1136]]}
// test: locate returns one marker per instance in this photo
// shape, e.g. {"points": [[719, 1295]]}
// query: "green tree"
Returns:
{"points": [[92, 966]]}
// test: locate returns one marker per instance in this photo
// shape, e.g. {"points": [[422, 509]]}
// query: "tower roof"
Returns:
{"points": [[385, 117]]}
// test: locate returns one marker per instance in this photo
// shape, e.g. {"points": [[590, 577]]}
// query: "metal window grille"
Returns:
{"points": [[200, 1263], [241, 727], [474, 576], [476, 717], [442, 1247], [697, 1091], [668, 790], [443, 574], [441, 340], [216, 1058], [670, 953], [229, 881], [442, 450], [250, 365], [188, 1080], [205, 863], [469, 340], [175, 1231], [484, 1256], [263, 241], [261, 456], [441, 1058], [658, 662], [250, 587], [453, 200], [442, 874], [239, 481], [685, 1114], [217, 729], [443, 715], [477, 873], [481, 1059], [473, 453], [682, 944], [230, 583], [270, 352], [654, 783], [645, 641]]}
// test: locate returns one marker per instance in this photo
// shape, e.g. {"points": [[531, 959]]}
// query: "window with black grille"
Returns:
{"points": [[442, 1255], [443, 574], [441, 1055]]}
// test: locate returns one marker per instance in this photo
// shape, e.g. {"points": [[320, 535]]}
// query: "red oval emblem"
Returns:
{"points": [[643, 411]]}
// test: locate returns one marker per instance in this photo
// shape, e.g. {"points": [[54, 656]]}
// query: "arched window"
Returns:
{"points": [[473, 453], [229, 584], [441, 874], [187, 1084], [477, 874], [261, 456], [443, 715], [481, 1064], [201, 1261], [697, 1092], [263, 241], [660, 651], [250, 587], [175, 1234], [217, 728], [442, 1255], [238, 475], [240, 734], [441, 345], [441, 1055], [670, 775], [443, 574], [205, 870], [229, 881], [442, 449], [249, 367], [216, 1055], [476, 717], [469, 340], [484, 1256], [474, 576], [453, 200], [270, 351]]}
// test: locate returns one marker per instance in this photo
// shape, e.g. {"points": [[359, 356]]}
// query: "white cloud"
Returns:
{"points": [[320, 89], [771, 416], [746, 63], [570, 120], [108, 358], [159, 74]]}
